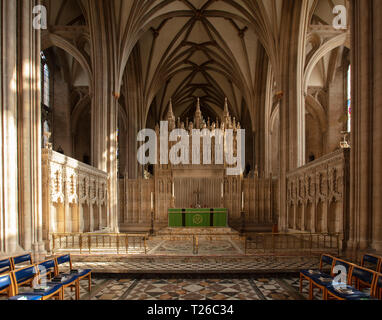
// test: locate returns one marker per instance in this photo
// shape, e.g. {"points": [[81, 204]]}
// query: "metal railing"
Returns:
{"points": [[124, 243], [120, 243], [295, 242], [196, 238], [307, 243]]}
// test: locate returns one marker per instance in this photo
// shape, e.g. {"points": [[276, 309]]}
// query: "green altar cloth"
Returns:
{"points": [[201, 218]]}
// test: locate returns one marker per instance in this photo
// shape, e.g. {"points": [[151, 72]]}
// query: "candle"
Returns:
{"points": [[222, 190], [152, 201], [173, 190], [242, 201]]}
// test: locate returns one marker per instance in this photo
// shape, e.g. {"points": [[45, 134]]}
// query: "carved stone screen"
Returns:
{"points": [[187, 191]]}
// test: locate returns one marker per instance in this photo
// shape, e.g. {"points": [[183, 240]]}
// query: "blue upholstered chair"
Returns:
{"points": [[27, 275], [6, 286], [47, 268], [29, 297], [371, 261], [81, 274], [362, 277], [321, 280], [378, 286], [67, 280], [6, 265], [326, 262], [23, 260], [55, 291], [348, 291]]}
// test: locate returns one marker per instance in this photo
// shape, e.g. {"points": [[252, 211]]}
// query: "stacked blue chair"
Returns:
{"points": [[347, 291], [6, 265], [6, 285], [39, 292], [23, 260], [325, 262], [81, 274]]}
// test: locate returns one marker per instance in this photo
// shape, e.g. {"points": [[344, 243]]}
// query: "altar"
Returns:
{"points": [[193, 217]]}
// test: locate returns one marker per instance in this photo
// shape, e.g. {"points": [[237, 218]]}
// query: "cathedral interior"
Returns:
{"points": [[296, 82]]}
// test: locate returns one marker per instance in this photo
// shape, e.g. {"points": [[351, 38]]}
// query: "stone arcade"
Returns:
{"points": [[80, 79]]}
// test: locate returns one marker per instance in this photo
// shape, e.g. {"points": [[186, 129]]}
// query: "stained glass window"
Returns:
{"points": [[46, 110], [349, 105], [45, 82]]}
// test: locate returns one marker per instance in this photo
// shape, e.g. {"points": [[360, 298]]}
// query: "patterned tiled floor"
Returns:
{"points": [[187, 287], [184, 288], [193, 289]]}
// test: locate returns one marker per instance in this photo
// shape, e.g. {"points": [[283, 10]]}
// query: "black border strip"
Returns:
{"points": [[184, 218]]}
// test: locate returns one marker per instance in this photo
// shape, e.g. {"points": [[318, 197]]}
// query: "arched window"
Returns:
{"points": [[46, 108], [45, 82], [348, 98]]}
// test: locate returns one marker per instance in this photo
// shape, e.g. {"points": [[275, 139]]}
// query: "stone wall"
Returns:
{"points": [[318, 195], [259, 202], [74, 196]]}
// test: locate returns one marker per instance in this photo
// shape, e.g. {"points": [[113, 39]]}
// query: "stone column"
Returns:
{"points": [[68, 217], [8, 126], [21, 129], [288, 79], [52, 219], [104, 102], [303, 213], [377, 132], [325, 211], [336, 106], [365, 182], [81, 217], [91, 216], [99, 209]]}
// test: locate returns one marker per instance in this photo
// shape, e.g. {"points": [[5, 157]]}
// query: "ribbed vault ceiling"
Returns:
{"points": [[193, 48], [201, 48], [201, 55]]}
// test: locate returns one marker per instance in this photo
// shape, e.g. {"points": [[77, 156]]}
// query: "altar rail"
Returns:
{"points": [[312, 243], [88, 243]]}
